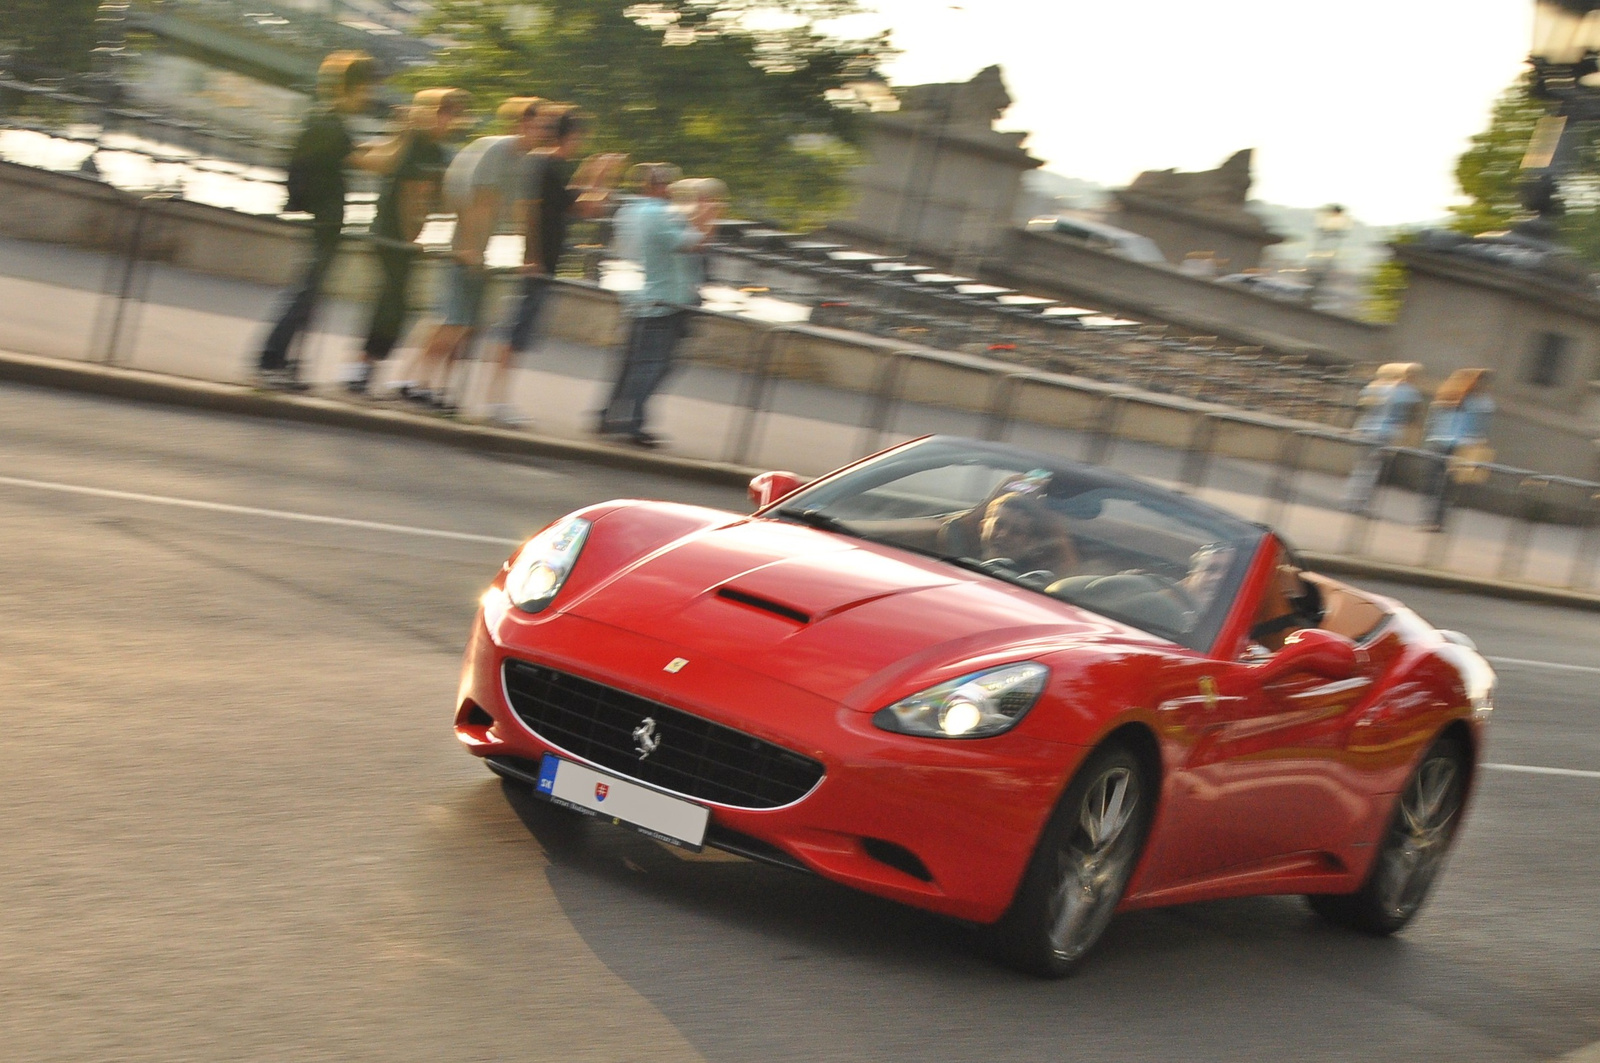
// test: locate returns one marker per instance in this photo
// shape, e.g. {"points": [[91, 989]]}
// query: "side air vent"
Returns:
{"points": [[898, 857], [755, 601]]}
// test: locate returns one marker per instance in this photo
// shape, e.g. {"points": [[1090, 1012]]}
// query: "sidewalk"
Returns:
{"points": [[191, 334]]}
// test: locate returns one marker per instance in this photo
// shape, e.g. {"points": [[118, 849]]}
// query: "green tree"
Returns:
{"points": [[48, 36], [1490, 175], [736, 89]]}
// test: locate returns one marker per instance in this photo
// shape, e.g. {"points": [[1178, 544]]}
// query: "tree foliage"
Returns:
{"points": [[42, 37], [1491, 176], [736, 89]]}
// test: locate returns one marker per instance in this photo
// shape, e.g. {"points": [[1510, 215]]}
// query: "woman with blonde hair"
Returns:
{"points": [[1458, 424], [412, 164], [1388, 407]]}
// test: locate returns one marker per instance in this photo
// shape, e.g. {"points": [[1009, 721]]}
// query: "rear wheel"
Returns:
{"points": [[1414, 848], [1083, 862]]}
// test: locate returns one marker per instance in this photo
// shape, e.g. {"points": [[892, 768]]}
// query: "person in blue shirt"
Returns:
{"points": [[1389, 406], [662, 241], [1457, 420]]}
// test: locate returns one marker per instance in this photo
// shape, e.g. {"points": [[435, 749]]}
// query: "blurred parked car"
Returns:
{"points": [[1100, 237], [1266, 284]]}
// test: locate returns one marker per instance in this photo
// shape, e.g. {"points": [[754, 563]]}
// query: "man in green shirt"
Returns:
{"points": [[413, 166]]}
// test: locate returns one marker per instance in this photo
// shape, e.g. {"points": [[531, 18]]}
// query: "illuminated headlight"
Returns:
{"points": [[973, 706], [544, 563]]}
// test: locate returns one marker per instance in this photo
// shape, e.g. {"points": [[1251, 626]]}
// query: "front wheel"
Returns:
{"points": [[1084, 860], [1413, 850]]}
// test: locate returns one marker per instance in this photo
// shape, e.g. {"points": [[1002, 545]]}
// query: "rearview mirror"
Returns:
{"points": [[1314, 651], [768, 487]]}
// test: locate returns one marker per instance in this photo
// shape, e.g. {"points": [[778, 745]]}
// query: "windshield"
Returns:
{"points": [[1130, 551]]}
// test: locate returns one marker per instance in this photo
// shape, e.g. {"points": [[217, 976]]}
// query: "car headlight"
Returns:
{"points": [[544, 563], [973, 706]]}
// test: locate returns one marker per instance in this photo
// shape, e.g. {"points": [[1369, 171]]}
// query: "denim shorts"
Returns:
{"points": [[463, 295]]}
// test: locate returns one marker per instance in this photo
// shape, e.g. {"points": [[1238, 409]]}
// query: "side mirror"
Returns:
{"points": [[768, 487], [1314, 651]]}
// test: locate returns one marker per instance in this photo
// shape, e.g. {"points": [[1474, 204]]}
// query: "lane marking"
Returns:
{"points": [[1544, 664], [1531, 769], [254, 511]]}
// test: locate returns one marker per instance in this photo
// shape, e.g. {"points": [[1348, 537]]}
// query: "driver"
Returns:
{"points": [[1019, 527]]}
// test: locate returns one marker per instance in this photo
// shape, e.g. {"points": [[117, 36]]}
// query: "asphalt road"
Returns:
{"points": [[237, 827]]}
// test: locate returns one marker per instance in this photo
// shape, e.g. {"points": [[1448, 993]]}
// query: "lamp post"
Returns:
{"points": [[1565, 60]]}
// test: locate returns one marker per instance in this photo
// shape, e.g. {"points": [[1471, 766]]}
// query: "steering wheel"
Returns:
{"points": [[998, 564]]}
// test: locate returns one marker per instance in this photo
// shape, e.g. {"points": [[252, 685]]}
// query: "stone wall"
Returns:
{"points": [[1058, 267], [1541, 339]]}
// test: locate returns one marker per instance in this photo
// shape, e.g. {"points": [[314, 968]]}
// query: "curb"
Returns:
{"points": [[1340, 565], [145, 386]]}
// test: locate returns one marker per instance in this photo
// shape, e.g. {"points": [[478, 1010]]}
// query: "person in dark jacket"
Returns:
{"points": [[317, 187]]}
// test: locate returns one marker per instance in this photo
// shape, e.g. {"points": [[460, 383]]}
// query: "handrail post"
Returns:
{"points": [[887, 390], [755, 391], [1514, 549], [1097, 447], [1197, 455], [1588, 544], [130, 272], [1286, 465], [1002, 398]]}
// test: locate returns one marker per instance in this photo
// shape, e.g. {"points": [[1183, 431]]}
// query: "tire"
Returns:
{"points": [[1083, 862], [1414, 848]]}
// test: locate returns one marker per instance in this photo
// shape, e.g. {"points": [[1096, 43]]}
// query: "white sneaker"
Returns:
{"points": [[505, 415]]}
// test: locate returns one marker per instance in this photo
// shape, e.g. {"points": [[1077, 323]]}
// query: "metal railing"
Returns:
{"points": [[1512, 524]]}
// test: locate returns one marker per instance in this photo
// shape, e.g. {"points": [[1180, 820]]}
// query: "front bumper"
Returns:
{"points": [[968, 813]]}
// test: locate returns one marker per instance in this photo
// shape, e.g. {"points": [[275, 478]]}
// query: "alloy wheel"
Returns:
{"points": [[1420, 838], [1094, 865]]}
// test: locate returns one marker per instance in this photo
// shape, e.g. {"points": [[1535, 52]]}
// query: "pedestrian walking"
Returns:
{"points": [[662, 241], [413, 167], [316, 185], [1457, 436], [485, 185], [1389, 405], [558, 191]]}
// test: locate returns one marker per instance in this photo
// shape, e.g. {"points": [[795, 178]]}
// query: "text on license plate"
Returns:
{"points": [[658, 815]]}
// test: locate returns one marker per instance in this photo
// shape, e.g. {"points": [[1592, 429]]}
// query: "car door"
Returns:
{"points": [[1257, 774]]}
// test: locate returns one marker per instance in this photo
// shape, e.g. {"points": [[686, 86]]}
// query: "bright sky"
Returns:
{"points": [[1361, 102]]}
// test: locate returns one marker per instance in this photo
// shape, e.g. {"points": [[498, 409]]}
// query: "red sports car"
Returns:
{"points": [[992, 684]]}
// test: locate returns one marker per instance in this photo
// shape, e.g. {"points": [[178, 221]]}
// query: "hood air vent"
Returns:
{"points": [[755, 601]]}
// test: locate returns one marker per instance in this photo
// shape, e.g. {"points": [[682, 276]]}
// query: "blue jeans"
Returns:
{"points": [[648, 358], [1437, 489], [300, 302], [519, 329]]}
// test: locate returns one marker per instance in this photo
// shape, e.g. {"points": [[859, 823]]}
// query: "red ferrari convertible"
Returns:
{"points": [[992, 684]]}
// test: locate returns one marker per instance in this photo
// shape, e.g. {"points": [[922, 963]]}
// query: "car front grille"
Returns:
{"points": [[696, 758]]}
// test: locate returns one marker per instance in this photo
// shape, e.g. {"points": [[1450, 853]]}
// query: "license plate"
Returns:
{"points": [[650, 812]]}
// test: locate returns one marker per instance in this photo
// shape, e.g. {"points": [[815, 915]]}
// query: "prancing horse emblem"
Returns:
{"points": [[645, 739]]}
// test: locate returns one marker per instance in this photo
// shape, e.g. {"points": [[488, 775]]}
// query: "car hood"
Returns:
{"points": [[837, 617]]}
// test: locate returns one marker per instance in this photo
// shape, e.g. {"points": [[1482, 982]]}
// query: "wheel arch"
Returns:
{"points": [[1459, 730]]}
